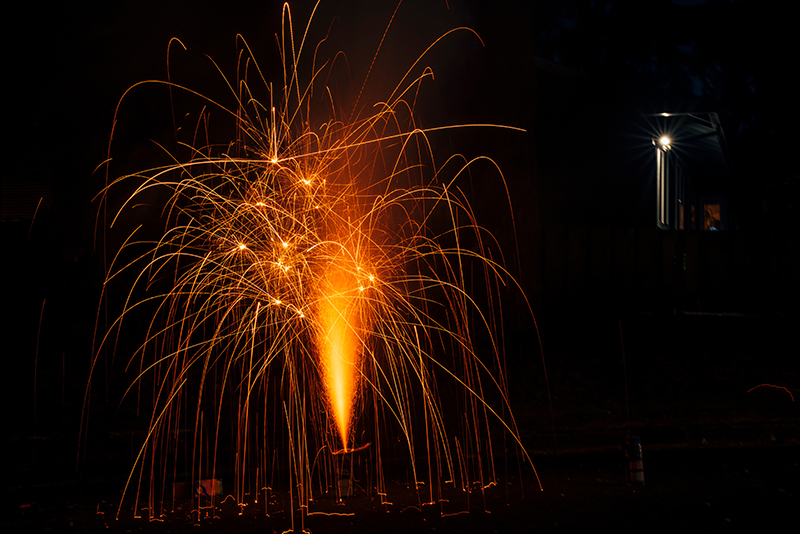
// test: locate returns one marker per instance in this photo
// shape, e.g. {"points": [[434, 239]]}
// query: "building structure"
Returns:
{"points": [[692, 172]]}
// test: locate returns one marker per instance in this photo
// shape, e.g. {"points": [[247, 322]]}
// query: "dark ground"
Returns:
{"points": [[715, 456], [711, 489]]}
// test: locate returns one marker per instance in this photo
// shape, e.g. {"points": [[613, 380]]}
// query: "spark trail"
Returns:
{"points": [[310, 276]]}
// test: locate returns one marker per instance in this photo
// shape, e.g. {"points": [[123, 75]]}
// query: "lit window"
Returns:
{"points": [[711, 217]]}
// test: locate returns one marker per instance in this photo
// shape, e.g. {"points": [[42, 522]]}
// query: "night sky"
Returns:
{"points": [[68, 67], [580, 161], [72, 64]]}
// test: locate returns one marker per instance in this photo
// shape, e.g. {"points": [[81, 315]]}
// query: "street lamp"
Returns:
{"points": [[663, 146]]}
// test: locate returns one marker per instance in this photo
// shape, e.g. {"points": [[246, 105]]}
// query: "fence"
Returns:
{"points": [[571, 266]]}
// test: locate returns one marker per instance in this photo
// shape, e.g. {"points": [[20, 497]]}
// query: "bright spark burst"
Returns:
{"points": [[303, 258]]}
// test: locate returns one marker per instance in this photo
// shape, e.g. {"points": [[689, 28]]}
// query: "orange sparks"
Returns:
{"points": [[312, 276], [339, 348]]}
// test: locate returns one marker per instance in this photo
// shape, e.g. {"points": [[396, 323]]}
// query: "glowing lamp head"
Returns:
{"points": [[665, 143]]}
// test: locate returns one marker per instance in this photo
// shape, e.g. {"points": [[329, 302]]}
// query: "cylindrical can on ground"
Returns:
{"points": [[634, 468], [345, 484]]}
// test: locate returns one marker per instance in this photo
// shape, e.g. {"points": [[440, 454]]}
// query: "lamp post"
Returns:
{"points": [[663, 146]]}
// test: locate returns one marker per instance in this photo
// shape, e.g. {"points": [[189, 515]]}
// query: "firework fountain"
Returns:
{"points": [[309, 295]]}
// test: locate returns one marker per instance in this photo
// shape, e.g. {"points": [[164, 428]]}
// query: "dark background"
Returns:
{"points": [[577, 76]]}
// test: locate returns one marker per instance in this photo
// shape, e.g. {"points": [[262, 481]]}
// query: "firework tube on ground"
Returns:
{"points": [[634, 468]]}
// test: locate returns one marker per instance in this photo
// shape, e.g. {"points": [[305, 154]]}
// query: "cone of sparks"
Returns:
{"points": [[310, 278]]}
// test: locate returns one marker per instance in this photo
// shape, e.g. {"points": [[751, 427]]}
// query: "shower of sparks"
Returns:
{"points": [[303, 265]]}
